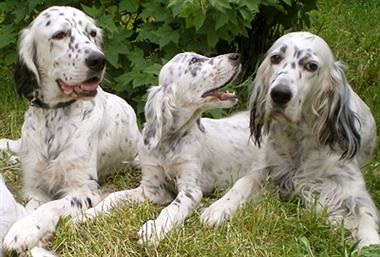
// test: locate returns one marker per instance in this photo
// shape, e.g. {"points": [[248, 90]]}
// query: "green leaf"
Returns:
{"points": [[136, 56], [148, 32], [220, 21], [91, 11], [107, 23], [7, 36], [128, 5], [220, 5], [20, 14], [288, 2], [166, 34], [252, 5], [153, 69], [114, 47], [212, 38], [198, 20]]}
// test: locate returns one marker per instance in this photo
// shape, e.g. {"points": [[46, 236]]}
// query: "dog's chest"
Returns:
{"points": [[48, 132], [290, 146]]}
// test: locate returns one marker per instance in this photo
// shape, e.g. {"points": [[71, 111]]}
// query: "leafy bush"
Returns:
{"points": [[140, 36]]}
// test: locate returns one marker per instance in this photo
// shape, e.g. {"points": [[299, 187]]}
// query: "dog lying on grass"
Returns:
{"points": [[72, 129], [184, 156]]}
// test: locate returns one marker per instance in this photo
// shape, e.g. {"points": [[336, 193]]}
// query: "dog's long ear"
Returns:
{"points": [[337, 124], [158, 114], [26, 73], [257, 103]]}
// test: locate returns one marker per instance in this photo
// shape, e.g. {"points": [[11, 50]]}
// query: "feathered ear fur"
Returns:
{"points": [[257, 103], [26, 72], [336, 123], [158, 114]]}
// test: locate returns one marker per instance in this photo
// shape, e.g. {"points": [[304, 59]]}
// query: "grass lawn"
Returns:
{"points": [[270, 227]]}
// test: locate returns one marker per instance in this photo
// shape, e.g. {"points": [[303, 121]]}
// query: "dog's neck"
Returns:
{"points": [[183, 121]]}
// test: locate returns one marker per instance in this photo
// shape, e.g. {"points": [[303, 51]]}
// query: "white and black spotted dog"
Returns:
{"points": [[72, 129], [184, 156], [320, 133]]}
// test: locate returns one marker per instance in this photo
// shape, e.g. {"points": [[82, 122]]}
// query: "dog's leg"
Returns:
{"points": [[346, 199], [188, 198], [360, 216], [26, 233], [368, 221], [152, 188], [244, 190]]}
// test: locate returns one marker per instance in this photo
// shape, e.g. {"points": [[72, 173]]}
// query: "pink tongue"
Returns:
{"points": [[67, 89], [89, 86]]}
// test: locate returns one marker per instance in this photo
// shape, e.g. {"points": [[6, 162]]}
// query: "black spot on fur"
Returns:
{"points": [[299, 53], [200, 126], [76, 202], [283, 49], [88, 202], [150, 133], [190, 196], [47, 23], [26, 81], [293, 65]]}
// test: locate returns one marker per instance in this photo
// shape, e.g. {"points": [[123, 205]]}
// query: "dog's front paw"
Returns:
{"points": [[85, 216], [150, 234], [216, 215], [23, 235]]}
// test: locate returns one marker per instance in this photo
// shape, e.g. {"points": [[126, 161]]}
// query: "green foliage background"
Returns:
{"points": [[140, 36]]}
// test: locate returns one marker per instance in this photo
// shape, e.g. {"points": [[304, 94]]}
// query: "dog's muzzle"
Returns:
{"points": [[96, 61], [281, 94]]}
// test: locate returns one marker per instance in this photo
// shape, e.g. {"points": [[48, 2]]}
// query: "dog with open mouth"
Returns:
{"points": [[184, 156], [72, 129]]}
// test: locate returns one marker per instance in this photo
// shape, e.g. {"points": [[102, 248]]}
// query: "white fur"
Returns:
{"points": [[185, 156], [320, 133], [62, 148]]}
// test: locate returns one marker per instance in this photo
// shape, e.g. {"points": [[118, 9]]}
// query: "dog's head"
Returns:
{"points": [[300, 79], [188, 84], [60, 56], [196, 79]]}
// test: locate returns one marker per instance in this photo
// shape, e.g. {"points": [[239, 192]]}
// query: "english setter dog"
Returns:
{"points": [[320, 133], [184, 156], [72, 129]]}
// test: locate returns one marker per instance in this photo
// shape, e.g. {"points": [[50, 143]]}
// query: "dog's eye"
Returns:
{"points": [[59, 35], [311, 66], [276, 59], [93, 33], [194, 60]]}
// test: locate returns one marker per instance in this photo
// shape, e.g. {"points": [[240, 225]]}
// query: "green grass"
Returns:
{"points": [[272, 227]]}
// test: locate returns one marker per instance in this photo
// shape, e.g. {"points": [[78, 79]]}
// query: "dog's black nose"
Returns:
{"points": [[96, 61], [234, 58], [281, 94]]}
